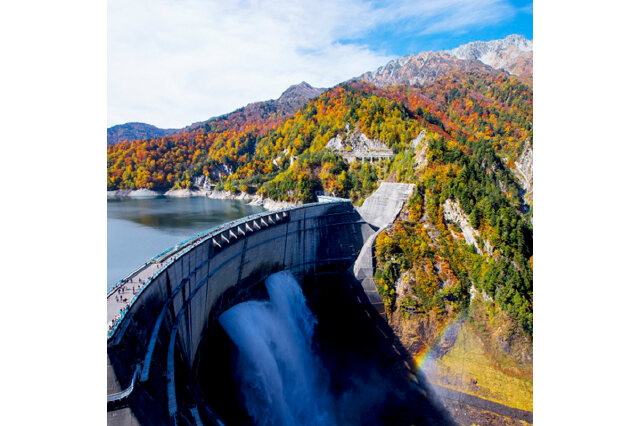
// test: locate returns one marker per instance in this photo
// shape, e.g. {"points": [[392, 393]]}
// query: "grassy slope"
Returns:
{"points": [[482, 362]]}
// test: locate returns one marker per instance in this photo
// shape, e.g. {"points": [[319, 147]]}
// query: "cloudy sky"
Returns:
{"points": [[174, 62]]}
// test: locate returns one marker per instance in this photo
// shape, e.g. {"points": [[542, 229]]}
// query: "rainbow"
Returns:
{"points": [[428, 353]]}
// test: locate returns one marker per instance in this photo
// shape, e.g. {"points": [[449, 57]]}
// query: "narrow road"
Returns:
{"points": [[119, 300]]}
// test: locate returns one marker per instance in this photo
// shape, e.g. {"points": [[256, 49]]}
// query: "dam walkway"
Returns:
{"points": [[154, 335]]}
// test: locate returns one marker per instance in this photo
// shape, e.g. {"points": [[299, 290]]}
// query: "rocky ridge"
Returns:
{"points": [[513, 54], [422, 68]]}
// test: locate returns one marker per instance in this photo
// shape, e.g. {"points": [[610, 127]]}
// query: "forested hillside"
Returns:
{"points": [[457, 138], [455, 269]]}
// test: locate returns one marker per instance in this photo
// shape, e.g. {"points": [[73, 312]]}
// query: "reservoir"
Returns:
{"points": [[139, 229]]}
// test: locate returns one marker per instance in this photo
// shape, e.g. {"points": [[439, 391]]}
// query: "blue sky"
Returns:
{"points": [[174, 62], [406, 37]]}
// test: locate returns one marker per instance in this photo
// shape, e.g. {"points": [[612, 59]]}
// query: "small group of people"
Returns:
{"points": [[121, 290], [115, 320]]}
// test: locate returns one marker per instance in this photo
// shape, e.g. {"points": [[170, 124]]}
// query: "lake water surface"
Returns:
{"points": [[139, 229]]}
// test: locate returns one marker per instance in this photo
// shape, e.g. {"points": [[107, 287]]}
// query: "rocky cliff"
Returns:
{"points": [[513, 54], [422, 68]]}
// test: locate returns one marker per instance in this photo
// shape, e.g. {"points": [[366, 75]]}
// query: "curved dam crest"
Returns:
{"points": [[153, 341]]}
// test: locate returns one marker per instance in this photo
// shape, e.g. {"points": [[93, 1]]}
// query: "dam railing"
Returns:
{"points": [[189, 244], [176, 300], [180, 249]]}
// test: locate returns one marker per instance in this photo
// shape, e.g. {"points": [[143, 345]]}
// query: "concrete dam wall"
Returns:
{"points": [[155, 338], [158, 337]]}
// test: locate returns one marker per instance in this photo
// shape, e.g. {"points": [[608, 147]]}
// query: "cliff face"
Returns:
{"points": [[453, 214], [524, 172]]}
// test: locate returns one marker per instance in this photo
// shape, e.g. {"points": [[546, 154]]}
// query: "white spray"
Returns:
{"points": [[282, 380]]}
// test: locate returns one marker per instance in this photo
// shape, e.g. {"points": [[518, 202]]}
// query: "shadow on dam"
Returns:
{"points": [[367, 376]]}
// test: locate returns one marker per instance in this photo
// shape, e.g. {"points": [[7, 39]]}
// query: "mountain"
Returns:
{"points": [[134, 131], [296, 96], [513, 54], [455, 270], [422, 68], [289, 102]]}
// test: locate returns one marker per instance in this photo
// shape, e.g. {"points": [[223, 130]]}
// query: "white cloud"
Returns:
{"points": [[172, 62]]}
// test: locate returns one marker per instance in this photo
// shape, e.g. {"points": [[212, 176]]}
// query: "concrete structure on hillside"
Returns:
{"points": [[355, 145], [379, 210], [384, 205], [159, 314]]}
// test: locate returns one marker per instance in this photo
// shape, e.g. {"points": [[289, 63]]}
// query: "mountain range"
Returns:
{"points": [[513, 54], [132, 131], [455, 270]]}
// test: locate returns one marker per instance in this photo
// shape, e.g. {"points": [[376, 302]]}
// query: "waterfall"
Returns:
{"points": [[283, 382]]}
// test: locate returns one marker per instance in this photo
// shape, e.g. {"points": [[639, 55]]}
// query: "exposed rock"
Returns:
{"points": [[130, 193], [514, 54], [453, 213], [202, 182], [422, 68], [422, 148], [185, 193], [403, 285], [355, 144], [473, 293], [254, 200], [416, 141], [524, 171]]}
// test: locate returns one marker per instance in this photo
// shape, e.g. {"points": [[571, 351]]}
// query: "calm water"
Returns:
{"points": [[137, 230]]}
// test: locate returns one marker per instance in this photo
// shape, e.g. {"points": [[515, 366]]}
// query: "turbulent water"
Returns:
{"points": [[283, 382]]}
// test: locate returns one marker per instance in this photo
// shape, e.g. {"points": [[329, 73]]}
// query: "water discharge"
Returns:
{"points": [[283, 381]]}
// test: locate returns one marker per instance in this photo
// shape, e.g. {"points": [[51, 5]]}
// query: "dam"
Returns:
{"points": [[164, 337]]}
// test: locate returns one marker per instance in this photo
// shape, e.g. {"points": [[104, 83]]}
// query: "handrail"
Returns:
{"points": [[118, 396]]}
